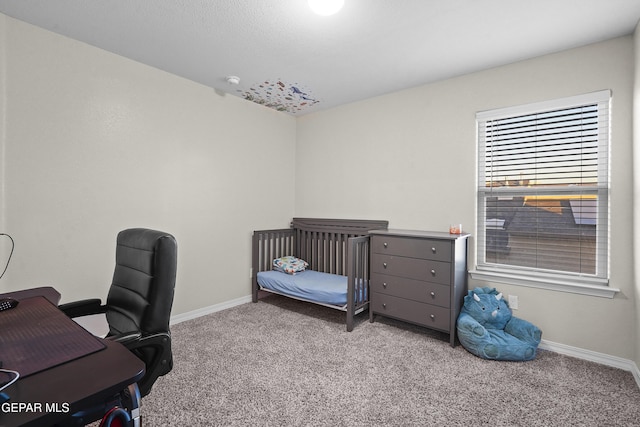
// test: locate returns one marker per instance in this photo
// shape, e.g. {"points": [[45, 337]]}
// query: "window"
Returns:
{"points": [[543, 193]]}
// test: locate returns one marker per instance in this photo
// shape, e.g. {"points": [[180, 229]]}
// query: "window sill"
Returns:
{"points": [[593, 287]]}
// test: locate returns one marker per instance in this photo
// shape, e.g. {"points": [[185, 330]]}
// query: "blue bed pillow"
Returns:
{"points": [[289, 264]]}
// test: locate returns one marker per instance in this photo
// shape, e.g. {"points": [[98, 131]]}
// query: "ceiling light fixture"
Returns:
{"points": [[326, 7]]}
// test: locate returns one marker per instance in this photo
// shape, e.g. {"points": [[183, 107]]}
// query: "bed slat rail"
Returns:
{"points": [[266, 246], [325, 252], [335, 246], [322, 242], [357, 277]]}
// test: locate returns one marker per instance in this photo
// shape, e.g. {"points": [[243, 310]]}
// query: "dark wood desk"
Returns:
{"points": [[46, 291], [52, 395]]}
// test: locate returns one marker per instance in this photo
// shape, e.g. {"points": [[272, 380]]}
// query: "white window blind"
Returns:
{"points": [[543, 188]]}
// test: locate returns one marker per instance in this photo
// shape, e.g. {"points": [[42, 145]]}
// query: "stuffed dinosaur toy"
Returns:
{"points": [[487, 328]]}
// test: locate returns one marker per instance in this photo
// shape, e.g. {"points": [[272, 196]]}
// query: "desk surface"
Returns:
{"points": [[34, 337], [46, 291], [57, 392]]}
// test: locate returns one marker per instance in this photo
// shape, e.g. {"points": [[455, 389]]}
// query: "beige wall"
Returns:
{"points": [[94, 143], [410, 157], [636, 192]]}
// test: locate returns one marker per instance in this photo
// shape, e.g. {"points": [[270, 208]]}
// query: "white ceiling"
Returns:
{"points": [[289, 58]]}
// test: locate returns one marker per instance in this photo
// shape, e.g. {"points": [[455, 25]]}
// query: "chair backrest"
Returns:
{"points": [[141, 294]]}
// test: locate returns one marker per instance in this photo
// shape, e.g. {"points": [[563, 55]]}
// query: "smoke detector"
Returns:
{"points": [[233, 80]]}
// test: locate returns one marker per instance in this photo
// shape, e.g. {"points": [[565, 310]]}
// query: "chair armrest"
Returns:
{"points": [[127, 338], [471, 328], [524, 331], [155, 351], [160, 341], [83, 307]]}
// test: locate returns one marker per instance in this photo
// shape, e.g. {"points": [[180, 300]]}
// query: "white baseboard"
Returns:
{"points": [[592, 356], [579, 353], [208, 310]]}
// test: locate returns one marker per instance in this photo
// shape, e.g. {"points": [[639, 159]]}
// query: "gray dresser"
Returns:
{"points": [[419, 277]]}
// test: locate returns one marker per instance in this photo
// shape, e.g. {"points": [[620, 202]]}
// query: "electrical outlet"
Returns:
{"points": [[513, 302]]}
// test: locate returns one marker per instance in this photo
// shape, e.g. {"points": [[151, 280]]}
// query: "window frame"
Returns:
{"points": [[590, 284]]}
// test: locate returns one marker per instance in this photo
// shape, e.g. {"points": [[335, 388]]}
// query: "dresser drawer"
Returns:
{"points": [[423, 314], [412, 268], [418, 290], [438, 250]]}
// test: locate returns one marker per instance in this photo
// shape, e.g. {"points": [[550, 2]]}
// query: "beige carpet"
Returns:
{"points": [[282, 362]]}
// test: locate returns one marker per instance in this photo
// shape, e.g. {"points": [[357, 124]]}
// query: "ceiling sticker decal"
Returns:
{"points": [[281, 96]]}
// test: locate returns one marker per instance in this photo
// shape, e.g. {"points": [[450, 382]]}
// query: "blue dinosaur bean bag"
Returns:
{"points": [[487, 328]]}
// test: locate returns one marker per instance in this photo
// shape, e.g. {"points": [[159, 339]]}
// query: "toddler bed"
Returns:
{"points": [[336, 252]]}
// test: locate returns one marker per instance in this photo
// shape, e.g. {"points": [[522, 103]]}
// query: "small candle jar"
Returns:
{"points": [[455, 229]]}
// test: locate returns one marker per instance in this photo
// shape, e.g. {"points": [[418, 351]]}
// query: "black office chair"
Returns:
{"points": [[139, 301]]}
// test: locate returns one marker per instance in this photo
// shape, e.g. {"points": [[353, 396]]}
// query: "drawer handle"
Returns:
{"points": [[433, 294], [384, 285], [433, 272], [433, 250], [384, 264], [433, 317], [385, 244], [384, 305]]}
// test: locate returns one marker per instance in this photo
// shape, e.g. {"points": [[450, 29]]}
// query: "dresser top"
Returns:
{"points": [[420, 234]]}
